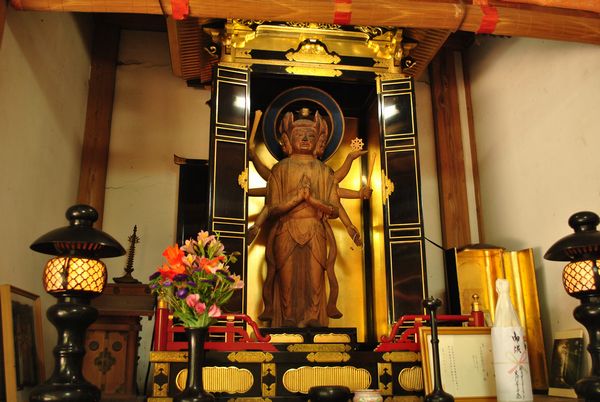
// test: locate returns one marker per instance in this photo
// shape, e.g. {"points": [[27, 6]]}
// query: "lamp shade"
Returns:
{"points": [[582, 250], [579, 277], [79, 239], [76, 268], [584, 244], [74, 275]]}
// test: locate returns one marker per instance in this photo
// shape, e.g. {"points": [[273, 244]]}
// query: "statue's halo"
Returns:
{"points": [[295, 99]]}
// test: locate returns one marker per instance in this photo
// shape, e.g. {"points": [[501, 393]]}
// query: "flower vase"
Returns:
{"points": [[194, 388]]}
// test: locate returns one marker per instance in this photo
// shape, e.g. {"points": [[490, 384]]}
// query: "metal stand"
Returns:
{"points": [[438, 394]]}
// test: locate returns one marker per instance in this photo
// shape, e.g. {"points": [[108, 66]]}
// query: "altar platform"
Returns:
{"points": [[284, 363], [288, 375]]}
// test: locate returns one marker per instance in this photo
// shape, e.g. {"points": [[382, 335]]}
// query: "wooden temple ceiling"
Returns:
{"points": [[427, 24]]}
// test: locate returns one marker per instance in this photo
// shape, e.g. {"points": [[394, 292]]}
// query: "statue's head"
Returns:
{"points": [[303, 134]]}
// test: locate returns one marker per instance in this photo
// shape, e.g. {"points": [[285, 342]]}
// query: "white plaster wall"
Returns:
{"points": [[535, 106], [155, 116], [44, 72], [436, 280]]}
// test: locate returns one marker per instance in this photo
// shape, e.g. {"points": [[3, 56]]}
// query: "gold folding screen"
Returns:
{"points": [[475, 270]]}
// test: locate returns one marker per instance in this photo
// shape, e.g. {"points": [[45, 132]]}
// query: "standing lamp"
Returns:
{"points": [[74, 277], [581, 280]]}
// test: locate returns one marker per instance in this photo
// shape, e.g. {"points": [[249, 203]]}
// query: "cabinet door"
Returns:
{"points": [[403, 223], [229, 167], [105, 362]]}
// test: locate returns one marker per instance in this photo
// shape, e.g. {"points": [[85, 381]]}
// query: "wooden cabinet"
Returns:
{"points": [[111, 342]]}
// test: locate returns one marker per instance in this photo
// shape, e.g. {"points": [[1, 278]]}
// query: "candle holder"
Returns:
{"points": [[437, 394]]}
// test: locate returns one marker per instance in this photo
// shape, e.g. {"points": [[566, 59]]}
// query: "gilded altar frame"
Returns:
{"points": [[259, 60]]}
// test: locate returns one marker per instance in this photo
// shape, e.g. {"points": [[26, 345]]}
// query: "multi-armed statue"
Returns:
{"points": [[302, 194]]}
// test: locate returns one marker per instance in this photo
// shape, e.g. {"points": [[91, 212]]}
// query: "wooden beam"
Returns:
{"points": [[537, 22], [188, 45], [588, 5], [454, 210], [512, 19], [94, 154], [174, 47], [429, 43]]}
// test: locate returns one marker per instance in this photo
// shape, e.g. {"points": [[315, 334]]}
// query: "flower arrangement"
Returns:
{"points": [[195, 281]]}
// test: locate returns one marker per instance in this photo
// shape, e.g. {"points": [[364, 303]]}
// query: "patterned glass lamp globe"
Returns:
{"points": [[74, 276]]}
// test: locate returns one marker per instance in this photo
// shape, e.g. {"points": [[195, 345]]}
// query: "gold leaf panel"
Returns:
{"points": [[331, 338], [250, 357], [158, 389], [314, 71], [286, 338], [411, 378], [321, 347], [327, 357], [232, 380], [401, 357], [303, 378], [168, 357]]}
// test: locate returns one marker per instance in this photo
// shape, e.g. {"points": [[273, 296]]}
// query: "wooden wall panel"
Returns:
{"points": [[2, 18], [474, 163], [450, 156]]}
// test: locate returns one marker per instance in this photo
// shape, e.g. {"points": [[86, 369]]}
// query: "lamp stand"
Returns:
{"points": [[71, 316], [437, 394], [588, 314]]}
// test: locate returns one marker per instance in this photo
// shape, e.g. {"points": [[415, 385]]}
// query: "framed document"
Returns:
{"points": [[21, 345], [466, 366]]}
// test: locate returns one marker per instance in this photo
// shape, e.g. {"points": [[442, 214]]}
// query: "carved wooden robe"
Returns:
{"points": [[299, 246]]}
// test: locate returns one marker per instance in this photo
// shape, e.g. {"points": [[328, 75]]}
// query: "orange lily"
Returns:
{"points": [[173, 254], [169, 271]]}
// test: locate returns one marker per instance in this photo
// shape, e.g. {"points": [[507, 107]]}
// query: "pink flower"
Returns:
{"points": [[192, 300], [188, 247], [216, 247], [238, 283], [200, 308], [204, 238], [188, 260], [214, 311]]}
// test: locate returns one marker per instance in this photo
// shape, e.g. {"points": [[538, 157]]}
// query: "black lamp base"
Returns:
{"points": [[439, 395], [50, 391], [588, 314], [588, 389], [71, 316]]}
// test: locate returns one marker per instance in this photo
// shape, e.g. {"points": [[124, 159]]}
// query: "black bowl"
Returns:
{"points": [[329, 393]]}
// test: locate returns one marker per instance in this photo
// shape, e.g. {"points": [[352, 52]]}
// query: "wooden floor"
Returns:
{"points": [[544, 398]]}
